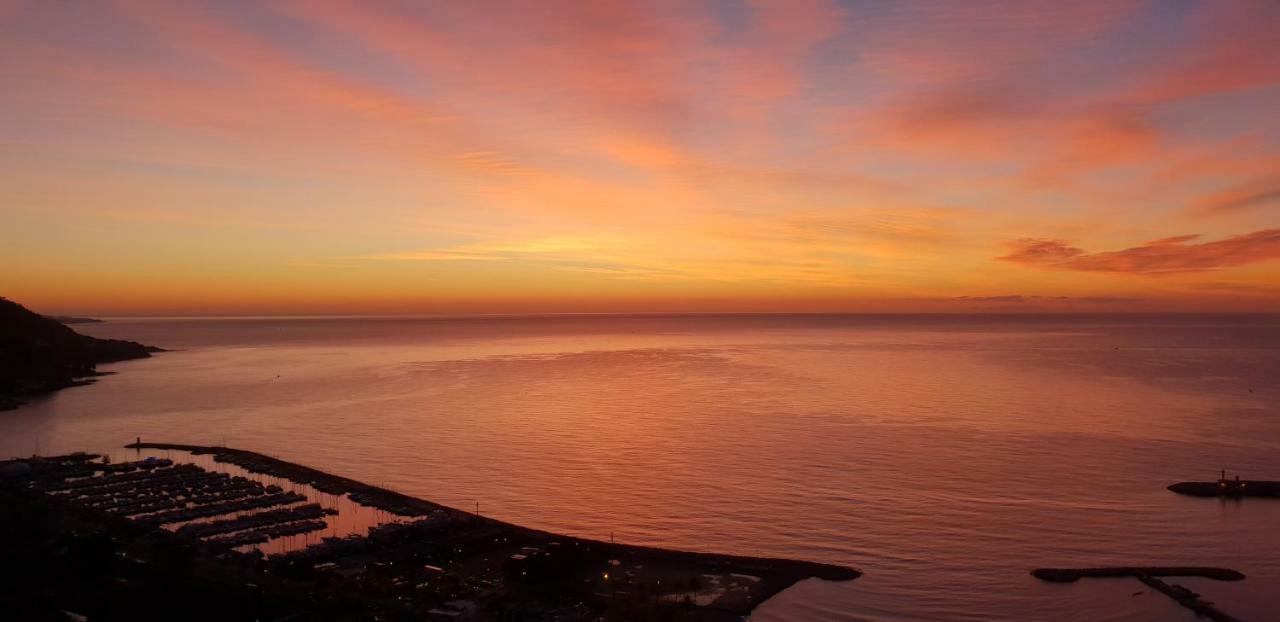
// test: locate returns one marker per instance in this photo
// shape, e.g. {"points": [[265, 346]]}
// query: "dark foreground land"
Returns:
{"points": [[89, 540]]}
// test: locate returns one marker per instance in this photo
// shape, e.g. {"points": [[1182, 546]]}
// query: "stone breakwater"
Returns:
{"points": [[1148, 575]]}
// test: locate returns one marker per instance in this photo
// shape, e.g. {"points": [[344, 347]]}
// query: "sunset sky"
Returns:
{"points": [[314, 156]]}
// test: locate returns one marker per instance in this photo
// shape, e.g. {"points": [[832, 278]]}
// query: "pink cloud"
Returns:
{"points": [[1237, 50], [1172, 255], [990, 103]]}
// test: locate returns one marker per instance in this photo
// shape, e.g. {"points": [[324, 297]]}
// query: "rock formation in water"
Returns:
{"points": [[39, 354]]}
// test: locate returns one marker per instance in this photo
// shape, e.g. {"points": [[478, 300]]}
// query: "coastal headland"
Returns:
{"points": [[40, 354], [426, 561]]}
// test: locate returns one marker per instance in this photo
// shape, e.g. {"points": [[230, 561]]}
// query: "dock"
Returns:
{"points": [[1228, 487], [1234, 488], [161, 494]]}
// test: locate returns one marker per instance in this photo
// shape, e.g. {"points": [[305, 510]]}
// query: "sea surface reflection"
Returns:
{"points": [[944, 456]]}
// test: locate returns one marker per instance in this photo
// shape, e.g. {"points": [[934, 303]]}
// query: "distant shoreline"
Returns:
{"points": [[852, 315], [66, 319]]}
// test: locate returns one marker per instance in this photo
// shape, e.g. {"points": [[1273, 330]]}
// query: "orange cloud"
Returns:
{"points": [[639, 149], [1161, 257]]}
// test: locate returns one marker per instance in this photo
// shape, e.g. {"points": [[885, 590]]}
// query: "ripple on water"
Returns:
{"points": [[945, 460]]}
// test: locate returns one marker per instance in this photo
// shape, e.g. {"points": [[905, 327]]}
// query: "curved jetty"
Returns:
{"points": [[435, 555], [1148, 574]]}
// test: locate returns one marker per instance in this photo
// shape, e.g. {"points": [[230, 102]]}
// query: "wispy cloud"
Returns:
{"points": [[550, 247], [1237, 199], [1020, 298], [1161, 257]]}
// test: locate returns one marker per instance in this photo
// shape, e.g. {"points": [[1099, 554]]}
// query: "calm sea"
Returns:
{"points": [[944, 456]]}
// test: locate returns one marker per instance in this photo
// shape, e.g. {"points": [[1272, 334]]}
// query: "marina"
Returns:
{"points": [[409, 556]]}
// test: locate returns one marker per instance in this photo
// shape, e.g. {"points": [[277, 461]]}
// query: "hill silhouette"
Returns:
{"points": [[40, 354]]}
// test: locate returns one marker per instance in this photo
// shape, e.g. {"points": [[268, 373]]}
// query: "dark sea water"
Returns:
{"points": [[944, 456]]}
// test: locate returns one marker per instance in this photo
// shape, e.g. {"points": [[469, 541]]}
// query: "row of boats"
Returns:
{"points": [[218, 509]]}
